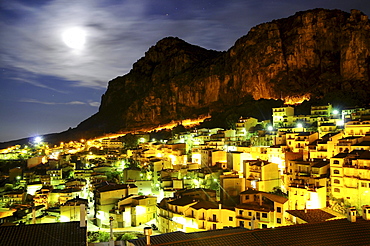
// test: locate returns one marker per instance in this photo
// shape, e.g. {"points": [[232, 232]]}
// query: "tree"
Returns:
{"points": [[125, 237], [98, 236]]}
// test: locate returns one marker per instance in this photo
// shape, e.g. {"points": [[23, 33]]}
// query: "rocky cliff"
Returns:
{"points": [[315, 53]]}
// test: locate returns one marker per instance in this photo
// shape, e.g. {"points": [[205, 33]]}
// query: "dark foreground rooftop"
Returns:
{"points": [[334, 232], [50, 234]]}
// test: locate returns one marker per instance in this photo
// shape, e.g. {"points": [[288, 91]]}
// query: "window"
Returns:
{"points": [[264, 225], [278, 209], [249, 214], [278, 220], [241, 223], [230, 218], [336, 181], [336, 190], [240, 212], [336, 171], [247, 197], [264, 215], [336, 162]]}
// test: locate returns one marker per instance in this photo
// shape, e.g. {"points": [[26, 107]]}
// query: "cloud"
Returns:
{"points": [[94, 104], [119, 32], [30, 100]]}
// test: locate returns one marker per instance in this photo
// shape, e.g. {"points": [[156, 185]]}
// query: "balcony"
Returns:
{"points": [[212, 219]]}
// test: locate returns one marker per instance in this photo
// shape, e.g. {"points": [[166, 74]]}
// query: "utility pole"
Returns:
{"points": [[111, 241]]}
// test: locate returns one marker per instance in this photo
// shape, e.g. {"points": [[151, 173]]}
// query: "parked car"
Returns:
{"points": [[154, 227]]}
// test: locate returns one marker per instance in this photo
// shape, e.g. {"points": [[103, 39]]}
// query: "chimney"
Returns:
{"points": [[147, 233], [34, 215], [82, 215], [366, 212], [351, 214], [260, 200]]}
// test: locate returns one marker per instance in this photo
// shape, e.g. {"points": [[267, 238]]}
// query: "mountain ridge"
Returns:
{"points": [[308, 54], [319, 54]]}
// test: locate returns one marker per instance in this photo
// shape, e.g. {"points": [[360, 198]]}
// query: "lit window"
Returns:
{"points": [[336, 181], [336, 190], [278, 220]]}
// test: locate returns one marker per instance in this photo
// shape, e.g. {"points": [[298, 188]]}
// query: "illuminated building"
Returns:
{"points": [[357, 127], [282, 116], [71, 209], [133, 210], [231, 186], [350, 177], [297, 141], [42, 198], [325, 110], [261, 175], [107, 196], [108, 143], [55, 176], [261, 210], [242, 128], [188, 215]]}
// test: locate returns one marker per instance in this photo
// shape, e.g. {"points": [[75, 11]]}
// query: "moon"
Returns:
{"points": [[74, 38]]}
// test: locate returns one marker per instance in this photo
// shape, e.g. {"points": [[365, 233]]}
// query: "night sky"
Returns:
{"points": [[51, 80]]}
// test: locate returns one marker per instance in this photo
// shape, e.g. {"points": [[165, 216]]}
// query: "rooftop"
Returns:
{"points": [[311, 215], [56, 234], [333, 232]]}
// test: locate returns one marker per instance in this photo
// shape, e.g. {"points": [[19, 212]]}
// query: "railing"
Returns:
{"points": [[212, 219]]}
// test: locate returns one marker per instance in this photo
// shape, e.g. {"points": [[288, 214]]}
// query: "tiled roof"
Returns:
{"points": [[340, 155], [333, 232], [363, 143], [365, 155], [115, 187], [205, 205], [270, 196], [190, 238], [275, 198], [49, 234], [183, 201], [311, 215], [321, 164]]}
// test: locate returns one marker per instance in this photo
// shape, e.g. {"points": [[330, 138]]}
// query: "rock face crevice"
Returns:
{"points": [[313, 53]]}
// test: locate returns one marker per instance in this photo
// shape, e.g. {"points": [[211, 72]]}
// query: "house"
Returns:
{"points": [[350, 177], [134, 210], [70, 210], [261, 210], [107, 196]]}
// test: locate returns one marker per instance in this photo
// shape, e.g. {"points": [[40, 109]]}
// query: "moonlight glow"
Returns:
{"points": [[74, 38]]}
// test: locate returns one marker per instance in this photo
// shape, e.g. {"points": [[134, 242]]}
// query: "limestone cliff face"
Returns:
{"points": [[313, 52]]}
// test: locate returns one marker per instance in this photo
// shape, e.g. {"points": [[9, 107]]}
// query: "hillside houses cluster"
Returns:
{"points": [[256, 175]]}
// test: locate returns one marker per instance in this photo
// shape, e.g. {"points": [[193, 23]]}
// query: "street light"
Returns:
{"points": [[37, 140]]}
